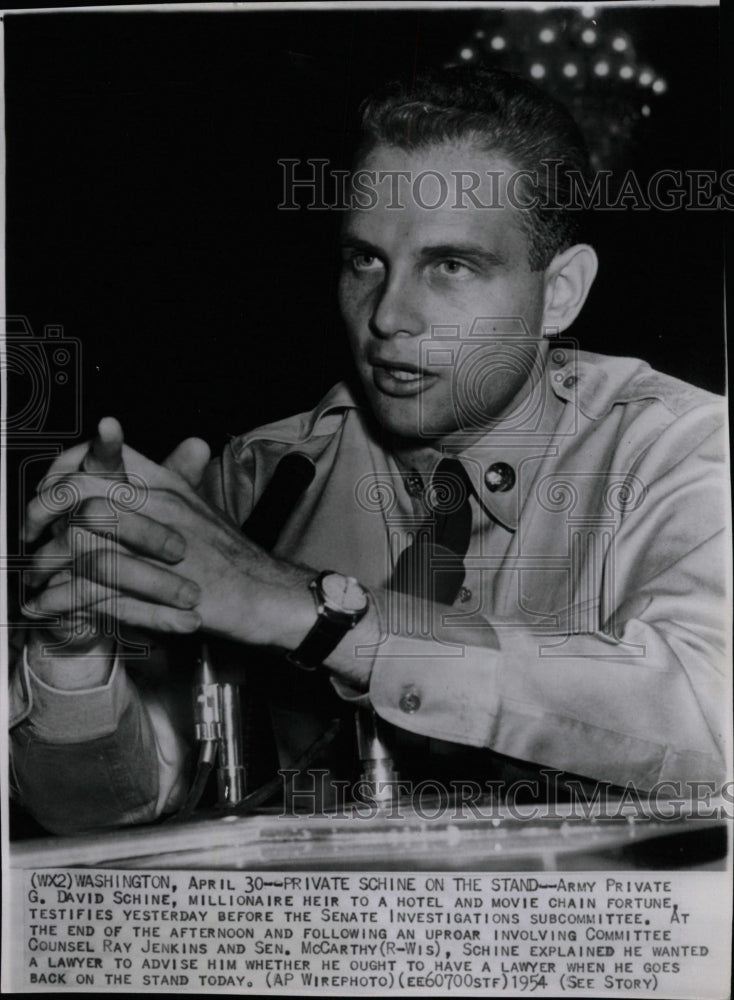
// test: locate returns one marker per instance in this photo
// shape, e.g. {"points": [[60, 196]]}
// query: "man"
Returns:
{"points": [[551, 596]]}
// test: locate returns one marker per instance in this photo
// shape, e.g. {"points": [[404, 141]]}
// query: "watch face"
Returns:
{"points": [[343, 593]]}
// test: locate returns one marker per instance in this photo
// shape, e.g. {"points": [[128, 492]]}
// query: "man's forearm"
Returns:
{"points": [[640, 710]]}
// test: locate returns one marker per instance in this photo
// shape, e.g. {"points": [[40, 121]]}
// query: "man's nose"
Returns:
{"points": [[398, 308]]}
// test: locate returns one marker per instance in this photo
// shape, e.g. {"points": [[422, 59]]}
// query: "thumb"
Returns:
{"points": [[189, 460], [105, 449]]}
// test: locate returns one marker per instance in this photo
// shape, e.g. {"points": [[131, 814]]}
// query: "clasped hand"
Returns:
{"points": [[133, 541]]}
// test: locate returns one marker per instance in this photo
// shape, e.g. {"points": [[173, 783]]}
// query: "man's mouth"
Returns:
{"points": [[403, 375], [400, 379]]}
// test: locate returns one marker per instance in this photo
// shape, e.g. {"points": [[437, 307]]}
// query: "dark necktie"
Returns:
{"points": [[432, 565]]}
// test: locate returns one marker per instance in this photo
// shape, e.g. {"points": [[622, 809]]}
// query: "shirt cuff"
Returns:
{"points": [[447, 691], [348, 693], [352, 695], [60, 716]]}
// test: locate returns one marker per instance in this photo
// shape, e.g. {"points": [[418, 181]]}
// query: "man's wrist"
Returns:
{"points": [[352, 660], [341, 603], [80, 671], [291, 612], [292, 615]]}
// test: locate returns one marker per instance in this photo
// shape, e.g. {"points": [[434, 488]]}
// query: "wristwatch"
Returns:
{"points": [[341, 602]]}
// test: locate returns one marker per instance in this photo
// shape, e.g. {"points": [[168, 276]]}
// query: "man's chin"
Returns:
{"points": [[407, 419]]}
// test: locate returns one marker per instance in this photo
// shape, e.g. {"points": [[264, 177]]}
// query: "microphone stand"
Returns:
{"points": [[217, 708], [218, 725], [379, 777]]}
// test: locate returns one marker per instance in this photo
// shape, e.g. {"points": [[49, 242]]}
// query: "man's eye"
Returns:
{"points": [[454, 269], [365, 262]]}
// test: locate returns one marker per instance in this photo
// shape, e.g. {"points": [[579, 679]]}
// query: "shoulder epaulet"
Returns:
{"points": [[596, 383]]}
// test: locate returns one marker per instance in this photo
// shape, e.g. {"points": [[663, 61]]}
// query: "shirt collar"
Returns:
{"points": [[528, 432], [336, 400], [530, 428]]}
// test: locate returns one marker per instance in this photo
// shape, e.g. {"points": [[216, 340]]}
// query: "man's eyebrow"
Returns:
{"points": [[473, 251], [438, 251], [348, 242]]}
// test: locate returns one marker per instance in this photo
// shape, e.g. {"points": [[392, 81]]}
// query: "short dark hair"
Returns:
{"points": [[500, 112]]}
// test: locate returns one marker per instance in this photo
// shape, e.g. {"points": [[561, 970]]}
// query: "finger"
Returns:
{"points": [[59, 526], [105, 450], [135, 531], [137, 577], [57, 624], [96, 578], [52, 561], [60, 494], [113, 567], [49, 561], [164, 476], [69, 460], [189, 460], [157, 617], [151, 536], [180, 471], [74, 458], [69, 597], [57, 603]]}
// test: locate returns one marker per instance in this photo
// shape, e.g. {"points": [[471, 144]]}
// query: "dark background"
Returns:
{"points": [[142, 192]]}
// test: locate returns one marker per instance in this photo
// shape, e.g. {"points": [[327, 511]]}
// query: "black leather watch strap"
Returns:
{"points": [[323, 638], [331, 625]]}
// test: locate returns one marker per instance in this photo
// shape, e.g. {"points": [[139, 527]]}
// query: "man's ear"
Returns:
{"points": [[568, 278]]}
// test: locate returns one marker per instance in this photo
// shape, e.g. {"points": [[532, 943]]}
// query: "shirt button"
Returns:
{"points": [[413, 485], [570, 382], [499, 477], [410, 702], [464, 595]]}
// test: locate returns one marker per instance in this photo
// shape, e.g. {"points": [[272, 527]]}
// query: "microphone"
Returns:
{"points": [[292, 477]]}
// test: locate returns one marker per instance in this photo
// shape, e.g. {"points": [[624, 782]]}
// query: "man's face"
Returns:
{"points": [[429, 295]]}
